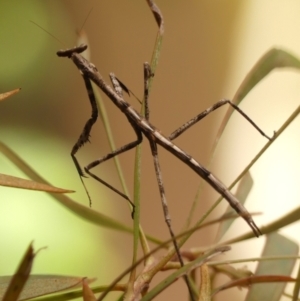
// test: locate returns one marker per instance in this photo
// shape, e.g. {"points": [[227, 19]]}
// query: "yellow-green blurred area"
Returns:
{"points": [[208, 48], [41, 125]]}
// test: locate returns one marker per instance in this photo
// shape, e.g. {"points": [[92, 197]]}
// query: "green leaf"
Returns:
{"points": [[15, 284], [281, 222], [138, 234], [11, 181], [276, 225], [274, 58], [180, 272], [40, 285], [276, 245]]}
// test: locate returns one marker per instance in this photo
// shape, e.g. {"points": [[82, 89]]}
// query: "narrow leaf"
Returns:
{"points": [[297, 287], [276, 244], [243, 190], [82, 211], [282, 222], [11, 181], [138, 234], [287, 219], [40, 285], [20, 277], [185, 269], [65, 296], [87, 293], [248, 281], [157, 15], [232, 272], [8, 94], [205, 285], [274, 58]]}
